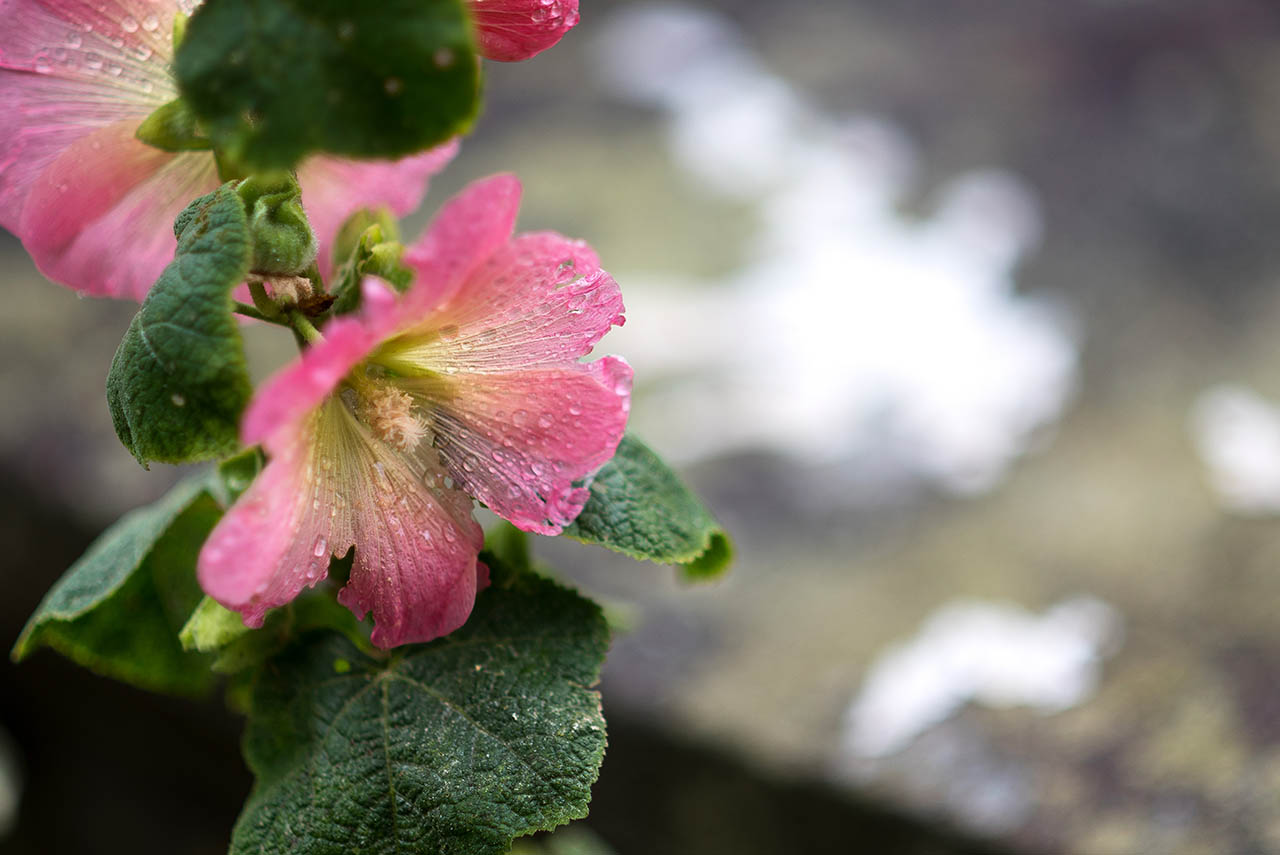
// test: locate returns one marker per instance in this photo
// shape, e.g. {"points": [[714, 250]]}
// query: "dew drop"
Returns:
{"points": [[497, 456], [545, 420], [575, 411], [520, 417], [129, 24], [449, 333], [42, 64], [426, 535], [74, 40], [151, 23], [178, 400]]}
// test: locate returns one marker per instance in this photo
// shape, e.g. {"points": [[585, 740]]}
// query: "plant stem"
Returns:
{"points": [[252, 312], [303, 328]]}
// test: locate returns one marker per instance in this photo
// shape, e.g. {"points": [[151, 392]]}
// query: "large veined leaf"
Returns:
{"points": [[456, 746]]}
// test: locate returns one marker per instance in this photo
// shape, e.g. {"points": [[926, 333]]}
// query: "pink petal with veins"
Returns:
{"points": [[303, 385], [100, 217], [332, 486], [519, 441], [540, 299], [68, 68], [511, 30], [468, 229]]}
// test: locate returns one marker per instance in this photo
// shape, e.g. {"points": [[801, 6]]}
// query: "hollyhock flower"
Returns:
{"points": [[94, 206], [468, 385], [510, 30]]}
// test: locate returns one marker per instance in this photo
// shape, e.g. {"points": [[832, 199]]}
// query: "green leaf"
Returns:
{"points": [[456, 746], [274, 80], [211, 627], [178, 382], [235, 474], [118, 609], [173, 127], [640, 507]]}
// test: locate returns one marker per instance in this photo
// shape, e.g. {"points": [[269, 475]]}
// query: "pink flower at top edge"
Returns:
{"points": [[511, 30], [378, 436], [94, 206]]}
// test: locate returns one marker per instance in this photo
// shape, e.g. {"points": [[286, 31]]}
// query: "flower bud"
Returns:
{"points": [[283, 242]]}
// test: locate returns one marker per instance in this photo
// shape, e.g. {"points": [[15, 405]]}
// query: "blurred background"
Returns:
{"points": [[962, 316]]}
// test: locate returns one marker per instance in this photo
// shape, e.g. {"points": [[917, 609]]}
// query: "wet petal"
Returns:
{"points": [[69, 68], [100, 217], [335, 188], [511, 30], [468, 229], [298, 388], [519, 441], [539, 300], [332, 487]]}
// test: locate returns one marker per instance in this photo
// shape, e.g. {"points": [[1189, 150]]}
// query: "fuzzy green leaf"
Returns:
{"points": [[118, 610], [455, 747], [178, 382], [640, 507], [274, 80]]}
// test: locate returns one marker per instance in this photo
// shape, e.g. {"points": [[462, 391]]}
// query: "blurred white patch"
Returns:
{"points": [[995, 654], [1237, 433], [851, 328]]}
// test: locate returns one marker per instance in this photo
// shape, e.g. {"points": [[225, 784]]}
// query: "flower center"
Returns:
{"points": [[388, 412]]}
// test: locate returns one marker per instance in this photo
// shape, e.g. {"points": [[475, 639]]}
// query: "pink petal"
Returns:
{"points": [[466, 231], [100, 217], [539, 300], [333, 189], [297, 389], [332, 486], [519, 441], [68, 68], [510, 30]]}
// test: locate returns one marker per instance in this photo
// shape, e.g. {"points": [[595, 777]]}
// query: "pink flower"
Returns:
{"points": [[94, 206], [510, 30], [378, 436]]}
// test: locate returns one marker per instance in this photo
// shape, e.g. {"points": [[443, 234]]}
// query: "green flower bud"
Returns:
{"points": [[283, 242]]}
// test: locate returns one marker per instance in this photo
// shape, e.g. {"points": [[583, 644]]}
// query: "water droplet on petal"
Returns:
{"points": [[320, 546], [129, 24], [545, 420], [151, 23], [520, 417]]}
